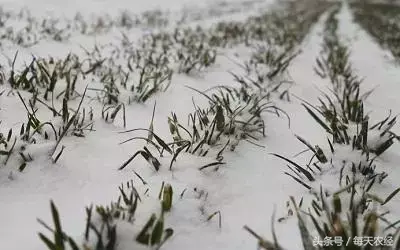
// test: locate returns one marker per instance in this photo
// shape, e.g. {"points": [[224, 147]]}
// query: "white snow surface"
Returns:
{"points": [[246, 190]]}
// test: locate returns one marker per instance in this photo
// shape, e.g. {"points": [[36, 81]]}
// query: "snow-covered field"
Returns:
{"points": [[222, 136]]}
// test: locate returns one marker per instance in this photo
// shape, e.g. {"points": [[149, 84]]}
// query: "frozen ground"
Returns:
{"points": [[246, 190]]}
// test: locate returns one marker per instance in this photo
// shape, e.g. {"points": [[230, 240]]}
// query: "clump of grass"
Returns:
{"points": [[189, 50], [232, 116], [344, 114], [42, 76], [349, 214], [20, 147], [193, 54], [155, 76], [153, 232], [154, 140], [61, 240], [265, 73], [102, 223], [277, 61], [110, 112], [10, 147], [342, 224], [147, 73], [351, 127], [345, 161]]}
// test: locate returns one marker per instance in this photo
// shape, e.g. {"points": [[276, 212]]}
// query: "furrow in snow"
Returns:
{"points": [[383, 76]]}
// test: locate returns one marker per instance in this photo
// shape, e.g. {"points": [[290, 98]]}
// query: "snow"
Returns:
{"points": [[384, 81], [246, 190]]}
